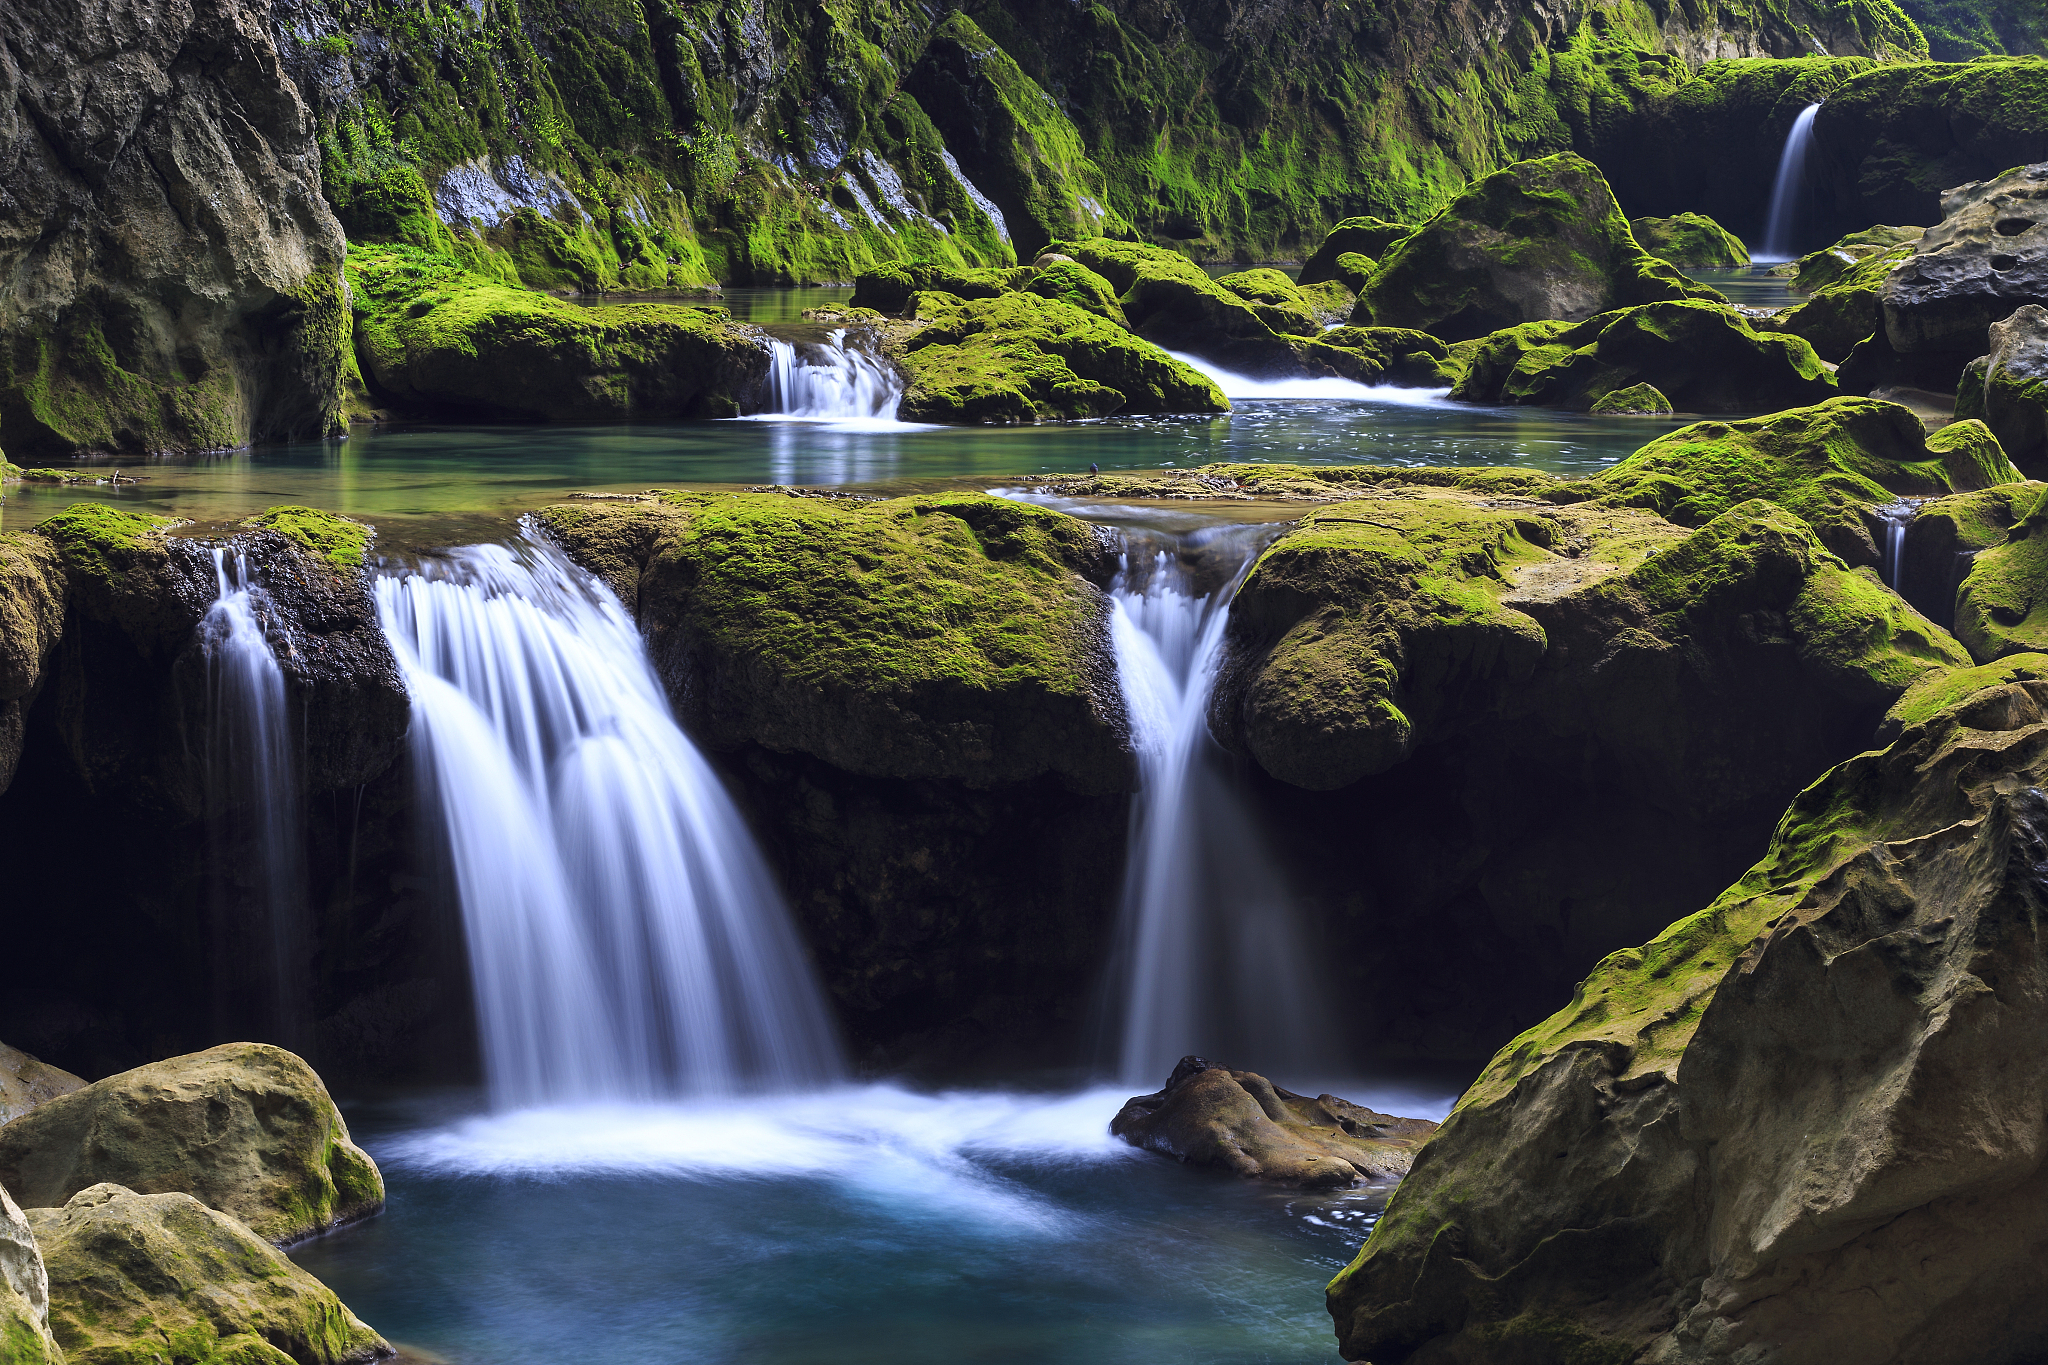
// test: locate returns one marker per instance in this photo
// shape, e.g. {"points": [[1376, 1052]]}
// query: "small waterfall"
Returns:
{"points": [[1896, 516], [626, 940], [1210, 956], [832, 381], [1781, 242], [253, 789]]}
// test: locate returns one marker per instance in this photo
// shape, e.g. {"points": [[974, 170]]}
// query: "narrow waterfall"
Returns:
{"points": [[1210, 957], [1781, 241], [831, 381], [253, 787], [626, 940], [1896, 516]]}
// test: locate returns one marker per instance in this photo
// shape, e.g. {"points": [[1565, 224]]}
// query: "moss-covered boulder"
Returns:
{"points": [[245, 1127], [162, 1277], [431, 336], [1704, 357], [2002, 604], [1266, 288], [1791, 1118], [1941, 541], [1689, 239], [1070, 282], [24, 1293], [890, 286], [1022, 358], [1385, 355], [1817, 269], [944, 636], [1845, 307], [32, 589], [1637, 400], [26, 1082], [2008, 388], [1364, 238], [1534, 241], [1827, 464], [1168, 299]]}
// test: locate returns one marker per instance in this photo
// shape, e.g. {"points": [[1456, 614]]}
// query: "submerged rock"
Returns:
{"points": [[1802, 1125], [26, 1083], [1535, 241], [1207, 1115], [245, 1127], [1689, 239], [24, 1293], [2008, 388], [150, 1277]]}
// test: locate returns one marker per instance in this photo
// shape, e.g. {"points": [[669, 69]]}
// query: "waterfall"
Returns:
{"points": [[1780, 240], [1210, 955], [253, 789], [1896, 516], [626, 940], [830, 382]]}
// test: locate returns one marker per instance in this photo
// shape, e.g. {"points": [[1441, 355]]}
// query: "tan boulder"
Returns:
{"points": [[26, 1082], [161, 1277], [1238, 1120], [247, 1128]]}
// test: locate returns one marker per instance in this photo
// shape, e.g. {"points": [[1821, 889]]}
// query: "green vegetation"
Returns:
{"points": [[1843, 309], [1946, 688], [338, 540], [102, 542], [1636, 400], [1350, 251], [1689, 239]]}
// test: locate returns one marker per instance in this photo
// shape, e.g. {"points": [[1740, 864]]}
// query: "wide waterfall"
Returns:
{"points": [[830, 381], [1781, 241], [626, 940], [1210, 956], [253, 788]]}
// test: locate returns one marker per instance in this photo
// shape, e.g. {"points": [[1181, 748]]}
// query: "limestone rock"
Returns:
{"points": [[128, 1268], [32, 590], [245, 1127], [1207, 1115], [1365, 239], [431, 336], [1705, 357], [1987, 257], [1801, 1126], [2008, 388], [172, 271], [1535, 241], [24, 1293], [1818, 269], [1945, 535], [26, 1082], [1689, 239]]}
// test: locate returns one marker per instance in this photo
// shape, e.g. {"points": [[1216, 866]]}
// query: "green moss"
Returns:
{"points": [[1350, 251], [1388, 355], [1072, 283], [1689, 239], [104, 542], [890, 287], [1819, 268], [1943, 690], [1635, 400], [338, 540], [1169, 298], [1844, 310]]}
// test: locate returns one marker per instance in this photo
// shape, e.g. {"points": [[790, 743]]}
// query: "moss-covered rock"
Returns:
{"points": [[32, 590], [1364, 238], [1637, 400], [2002, 605], [1705, 357], [891, 286], [1819, 268], [245, 1127], [1072, 283], [954, 636], [1535, 241], [1023, 358], [1386, 355], [1689, 239], [2008, 388], [1168, 299], [341, 541], [162, 1277], [1788, 1115], [431, 335], [1944, 536], [1267, 288], [1844, 307], [1826, 464], [24, 1293]]}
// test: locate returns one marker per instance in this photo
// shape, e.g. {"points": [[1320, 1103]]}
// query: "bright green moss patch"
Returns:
{"points": [[1363, 239], [1644, 400], [1940, 691], [1074, 284], [1844, 310], [338, 540], [103, 542], [1818, 269], [1689, 239]]}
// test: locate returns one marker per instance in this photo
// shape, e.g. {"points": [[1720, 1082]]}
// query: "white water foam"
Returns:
{"points": [[832, 383], [1237, 386], [626, 940]]}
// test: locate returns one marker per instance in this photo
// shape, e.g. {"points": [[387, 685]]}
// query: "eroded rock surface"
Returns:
{"points": [[26, 1082], [1239, 1121], [245, 1127], [24, 1293], [2008, 387]]}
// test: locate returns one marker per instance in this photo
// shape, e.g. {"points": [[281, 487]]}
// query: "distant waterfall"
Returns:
{"points": [[253, 786], [832, 381], [625, 938], [1781, 241], [1210, 957]]}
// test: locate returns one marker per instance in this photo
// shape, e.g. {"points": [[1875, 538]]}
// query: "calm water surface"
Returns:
{"points": [[869, 1224]]}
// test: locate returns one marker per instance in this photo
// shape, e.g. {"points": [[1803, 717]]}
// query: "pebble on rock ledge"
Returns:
{"points": [[1208, 1115]]}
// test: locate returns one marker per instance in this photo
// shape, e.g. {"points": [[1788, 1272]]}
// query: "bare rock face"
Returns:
{"points": [[1987, 257], [171, 272], [1802, 1126], [1208, 1115], [24, 1293], [26, 1082], [245, 1127]]}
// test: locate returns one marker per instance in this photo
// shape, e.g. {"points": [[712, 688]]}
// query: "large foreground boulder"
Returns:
{"points": [[24, 1293], [1802, 1126], [1533, 241], [1239, 1121], [26, 1082], [247, 1128], [162, 1277]]}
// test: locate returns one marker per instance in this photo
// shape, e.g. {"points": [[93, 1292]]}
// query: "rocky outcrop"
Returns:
{"points": [[1538, 240], [24, 1293], [1795, 1127], [26, 1082], [31, 618], [1637, 400], [2008, 388], [246, 1128], [1704, 357], [1689, 239], [2002, 605], [1944, 536], [127, 1268], [1844, 306], [1239, 1121], [173, 276], [1350, 251]]}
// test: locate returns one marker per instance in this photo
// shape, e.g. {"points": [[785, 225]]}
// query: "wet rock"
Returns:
{"points": [[1385, 355], [1534, 241], [1987, 257], [1817, 269], [26, 1082], [245, 1127], [1207, 1115], [24, 1293], [127, 1268], [2002, 605], [1802, 1125], [1944, 537], [1689, 239], [2008, 388]]}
